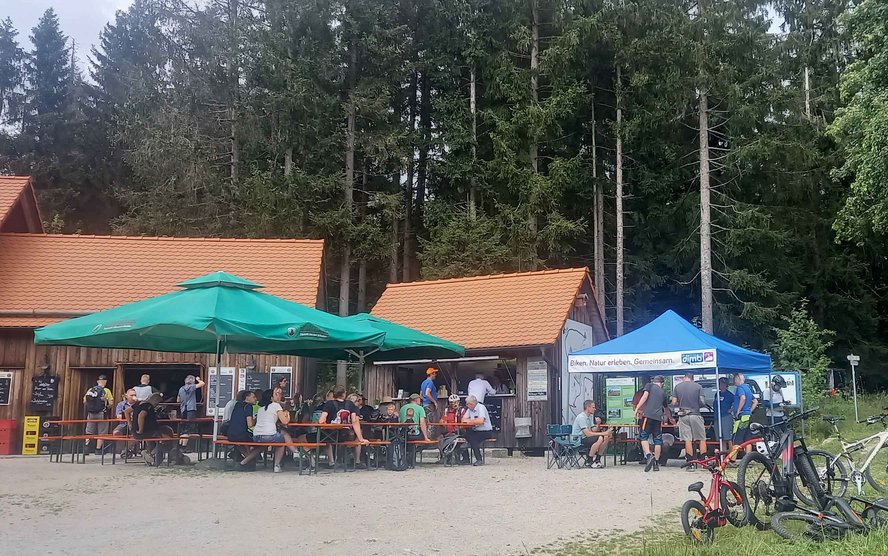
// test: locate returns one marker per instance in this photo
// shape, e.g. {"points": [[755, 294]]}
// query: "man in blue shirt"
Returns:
{"points": [[724, 401], [744, 404], [429, 394]]}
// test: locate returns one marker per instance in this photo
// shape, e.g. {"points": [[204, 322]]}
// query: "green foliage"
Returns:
{"points": [[802, 345]]}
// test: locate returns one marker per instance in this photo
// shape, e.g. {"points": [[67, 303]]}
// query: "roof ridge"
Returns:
{"points": [[489, 277], [164, 238]]}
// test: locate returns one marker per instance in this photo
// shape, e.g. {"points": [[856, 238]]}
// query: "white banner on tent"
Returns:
{"points": [[666, 361]]}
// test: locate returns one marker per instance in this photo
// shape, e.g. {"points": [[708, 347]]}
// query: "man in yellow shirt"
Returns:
{"points": [[97, 400]]}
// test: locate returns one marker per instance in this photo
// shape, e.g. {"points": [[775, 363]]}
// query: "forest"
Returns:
{"points": [[724, 158]]}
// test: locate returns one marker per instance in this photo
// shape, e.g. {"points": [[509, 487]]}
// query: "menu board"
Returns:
{"points": [[618, 400], [224, 383], [44, 391], [285, 374], [256, 380], [495, 410], [5, 387], [537, 380]]}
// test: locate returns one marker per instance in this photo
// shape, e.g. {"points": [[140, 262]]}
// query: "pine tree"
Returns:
{"points": [[11, 74]]}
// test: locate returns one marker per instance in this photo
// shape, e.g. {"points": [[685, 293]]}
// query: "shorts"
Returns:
{"points": [[588, 441], [121, 429], [726, 431], [96, 428], [651, 429], [690, 427], [741, 429], [276, 437], [188, 428]]}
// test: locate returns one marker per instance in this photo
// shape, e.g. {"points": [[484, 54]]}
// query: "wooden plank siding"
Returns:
{"points": [[18, 353]]}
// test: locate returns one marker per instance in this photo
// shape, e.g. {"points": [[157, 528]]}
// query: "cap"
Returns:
{"points": [[430, 371], [386, 399], [414, 396], [102, 377]]}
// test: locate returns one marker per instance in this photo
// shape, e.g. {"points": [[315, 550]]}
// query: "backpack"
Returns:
{"points": [[95, 399], [397, 451]]}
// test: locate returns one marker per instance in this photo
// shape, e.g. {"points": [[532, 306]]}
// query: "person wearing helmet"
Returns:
{"points": [[774, 401], [451, 445]]}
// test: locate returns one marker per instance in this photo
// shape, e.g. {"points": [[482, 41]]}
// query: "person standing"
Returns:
{"points": [[480, 388], [744, 404], [724, 420], [688, 396], [476, 414], [429, 394], [187, 399], [773, 400], [98, 400], [650, 410]]}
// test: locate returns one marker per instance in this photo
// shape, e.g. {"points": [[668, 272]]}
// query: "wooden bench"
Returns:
{"points": [[79, 442], [375, 445], [301, 446]]}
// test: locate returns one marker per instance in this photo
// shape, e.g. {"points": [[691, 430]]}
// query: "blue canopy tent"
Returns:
{"points": [[667, 344]]}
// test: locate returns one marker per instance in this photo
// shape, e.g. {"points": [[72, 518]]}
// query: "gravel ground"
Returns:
{"points": [[509, 506]]}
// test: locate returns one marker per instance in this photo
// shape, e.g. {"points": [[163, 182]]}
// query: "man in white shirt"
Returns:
{"points": [[476, 414], [480, 388], [773, 400]]}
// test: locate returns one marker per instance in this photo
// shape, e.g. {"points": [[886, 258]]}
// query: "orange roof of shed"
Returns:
{"points": [[11, 188], [500, 310], [43, 274]]}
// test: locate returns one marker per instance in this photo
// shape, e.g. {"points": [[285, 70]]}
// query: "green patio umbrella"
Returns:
{"points": [[216, 313], [402, 342]]}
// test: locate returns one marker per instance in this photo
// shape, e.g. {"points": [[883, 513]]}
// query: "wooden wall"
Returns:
{"points": [[19, 354]]}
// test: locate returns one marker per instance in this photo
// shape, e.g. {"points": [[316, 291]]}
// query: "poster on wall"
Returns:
{"points": [[574, 387], [618, 400], [537, 380], [223, 383], [282, 377], [5, 387]]}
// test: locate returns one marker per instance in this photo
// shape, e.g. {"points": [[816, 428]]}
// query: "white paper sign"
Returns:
{"points": [[666, 361], [537, 380]]}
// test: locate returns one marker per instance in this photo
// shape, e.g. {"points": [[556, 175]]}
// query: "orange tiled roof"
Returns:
{"points": [[71, 273], [11, 188], [500, 310]]}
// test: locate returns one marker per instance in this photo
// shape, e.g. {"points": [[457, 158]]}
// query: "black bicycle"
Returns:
{"points": [[771, 488]]}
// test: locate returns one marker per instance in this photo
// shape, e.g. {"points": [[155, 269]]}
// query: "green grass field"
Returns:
{"points": [[665, 538]]}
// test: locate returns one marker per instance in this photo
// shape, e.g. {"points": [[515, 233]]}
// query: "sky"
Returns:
{"points": [[81, 20]]}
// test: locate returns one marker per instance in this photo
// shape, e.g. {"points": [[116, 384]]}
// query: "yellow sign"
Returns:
{"points": [[31, 435]]}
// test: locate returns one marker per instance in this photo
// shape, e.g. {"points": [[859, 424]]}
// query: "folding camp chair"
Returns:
{"points": [[564, 450]]}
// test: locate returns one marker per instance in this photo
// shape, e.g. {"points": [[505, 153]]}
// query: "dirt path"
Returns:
{"points": [[500, 508]]}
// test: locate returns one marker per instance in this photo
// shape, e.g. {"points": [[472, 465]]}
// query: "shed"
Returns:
{"points": [[518, 330]]}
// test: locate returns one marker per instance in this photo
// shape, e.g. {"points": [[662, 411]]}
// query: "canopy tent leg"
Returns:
{"points": [[718, 417]]}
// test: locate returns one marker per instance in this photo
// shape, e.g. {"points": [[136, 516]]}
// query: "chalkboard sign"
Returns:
{"points": [[495, 410], [225, 383], [280, 373], [256, 380], [44, 391], [5, 387]]}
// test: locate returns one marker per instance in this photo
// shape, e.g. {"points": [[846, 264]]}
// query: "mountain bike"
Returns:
{"points": [[834, 469], [724, 504], [769, 487], [836, 520]]}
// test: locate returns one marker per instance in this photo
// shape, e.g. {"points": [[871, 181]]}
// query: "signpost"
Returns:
{"points": [[854, 360]]}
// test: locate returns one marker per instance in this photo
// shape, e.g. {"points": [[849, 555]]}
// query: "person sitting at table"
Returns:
{"points": [[451, 442], [593, 436], [418, 415], [239, 428], [271, 412], [387, 413], [122, 412], [342, 411], [145, 427], [144, 389], [476, 414]]}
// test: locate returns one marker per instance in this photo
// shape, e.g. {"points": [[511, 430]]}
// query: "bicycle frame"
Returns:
{"points": [[878, 440], [715, 515]]}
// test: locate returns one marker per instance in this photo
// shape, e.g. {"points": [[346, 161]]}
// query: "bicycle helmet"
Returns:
{"points": [[453, 398], [778, 381]]}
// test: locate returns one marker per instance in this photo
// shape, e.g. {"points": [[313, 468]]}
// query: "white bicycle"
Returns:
{"points": [[834, 469]]}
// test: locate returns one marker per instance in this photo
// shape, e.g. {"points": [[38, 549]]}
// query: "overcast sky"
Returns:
{"points": [[81, 20]]}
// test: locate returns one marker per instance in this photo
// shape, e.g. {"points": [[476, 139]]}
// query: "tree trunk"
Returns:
{"points": [[408, 187], [348, 191], [597, 217], [705, 232], [422, 165], [473, 184], [363, 197], [288, 161], [619, 196], [393, 256], [807, 92], [234, 84], [532, 149]]}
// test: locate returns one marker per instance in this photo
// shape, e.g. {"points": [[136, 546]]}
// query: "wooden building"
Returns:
{"points": [[45, 278], [517, 330]]}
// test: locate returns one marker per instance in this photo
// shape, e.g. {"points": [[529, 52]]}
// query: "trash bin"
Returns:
{"points": [[7, 437]]}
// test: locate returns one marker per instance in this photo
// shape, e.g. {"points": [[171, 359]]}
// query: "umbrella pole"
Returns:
{"points": [[216, 400]]}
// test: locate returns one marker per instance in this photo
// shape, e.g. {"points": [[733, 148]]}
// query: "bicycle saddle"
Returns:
{"points": [[832, 418], [696, 487]]}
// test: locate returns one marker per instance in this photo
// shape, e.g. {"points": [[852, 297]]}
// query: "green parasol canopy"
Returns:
{"points": [[402, 342], [212, 314]]}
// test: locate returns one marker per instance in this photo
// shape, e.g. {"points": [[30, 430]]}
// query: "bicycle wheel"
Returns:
{"points": [[879, 483], [794, 526], [757, 476], [811, 480], [695, 527], [876, 518], [733, 503], [832, 473]]}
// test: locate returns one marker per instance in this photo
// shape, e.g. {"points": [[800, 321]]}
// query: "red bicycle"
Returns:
{"points": [[725, 503]]}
